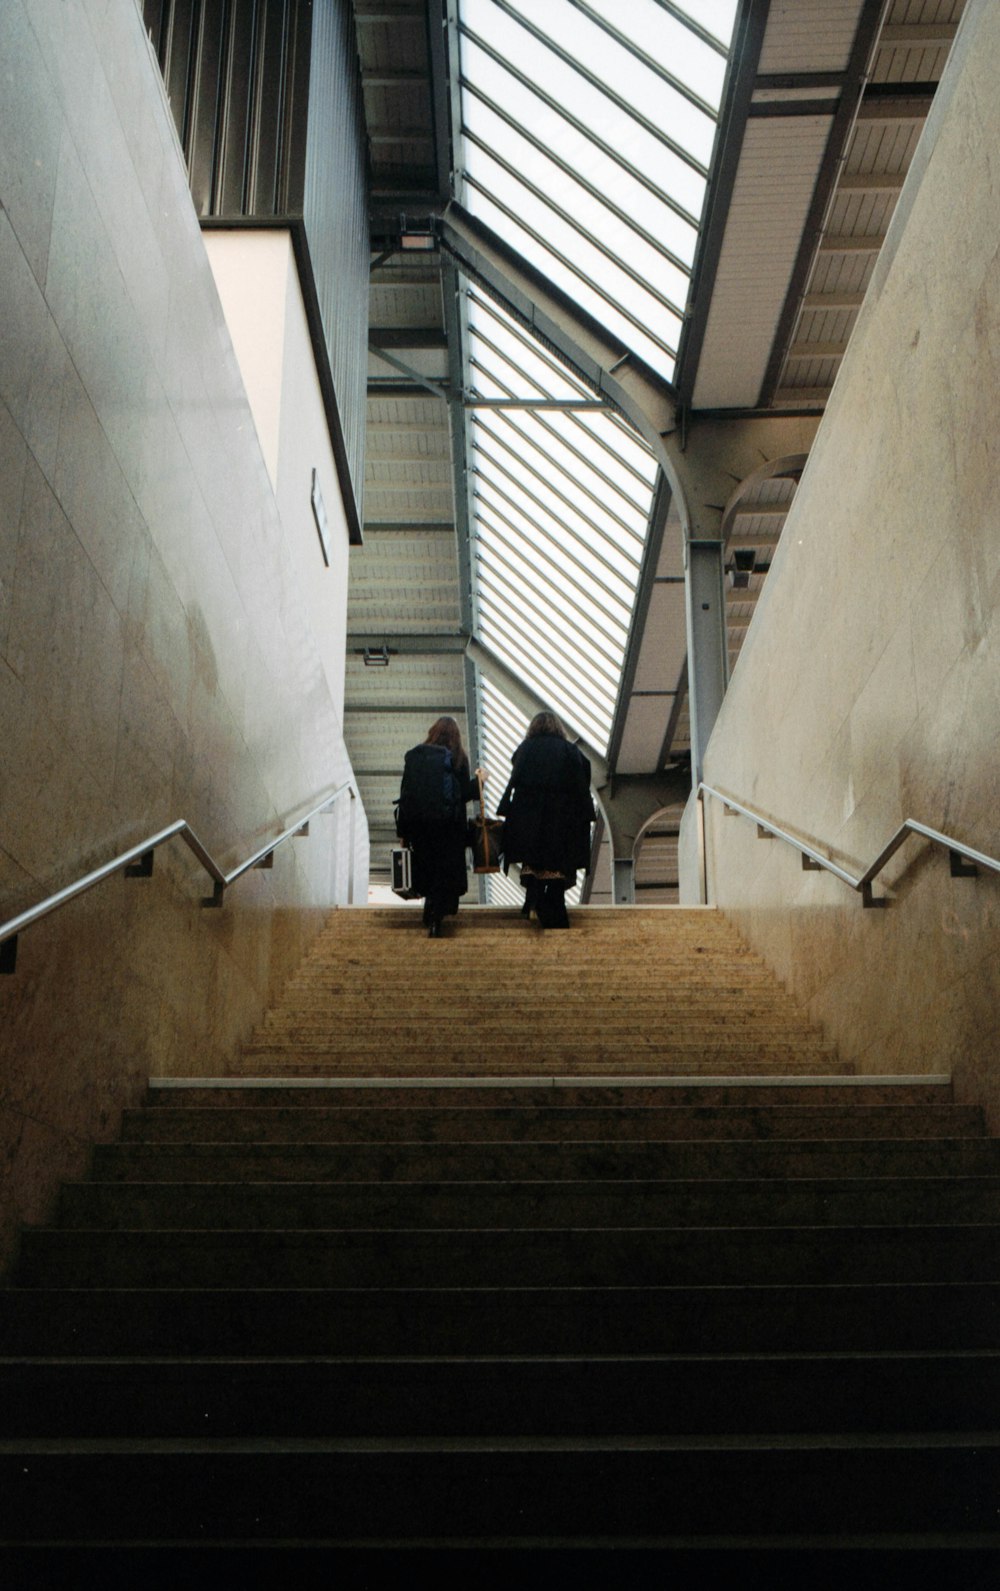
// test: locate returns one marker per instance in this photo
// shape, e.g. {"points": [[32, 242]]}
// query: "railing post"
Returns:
{"points": [[623, 869], [702, 851]]}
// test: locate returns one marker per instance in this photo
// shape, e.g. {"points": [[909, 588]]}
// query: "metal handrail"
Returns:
{"points": [[965, 862], [137, 862]]}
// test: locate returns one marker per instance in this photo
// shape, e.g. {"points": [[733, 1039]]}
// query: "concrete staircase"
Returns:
{"points": [[655, 991], [329, 1320]]}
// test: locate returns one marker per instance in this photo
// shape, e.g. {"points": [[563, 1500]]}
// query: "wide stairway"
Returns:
{"points": [[535, 1244], [626, 991]]}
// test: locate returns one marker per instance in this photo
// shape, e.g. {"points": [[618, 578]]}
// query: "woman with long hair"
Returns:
{"points": [[548, 811], [437, 785]]}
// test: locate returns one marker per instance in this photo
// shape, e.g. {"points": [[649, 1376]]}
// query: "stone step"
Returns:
{"points": [[468, 1123], [267, 1093], [356, 1059], [510, 1008], [653, 982], [409, 1035], [486, 1321], [221, 1206], [499, 1162], [613, 1257], [630, 1492], [546, 1397]]}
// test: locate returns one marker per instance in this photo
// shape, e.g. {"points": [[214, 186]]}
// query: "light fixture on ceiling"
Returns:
{"points": [[417, 237], [376, 656], [741, 568]]}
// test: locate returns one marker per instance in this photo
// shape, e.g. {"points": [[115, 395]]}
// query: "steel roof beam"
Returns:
{"points": [[541, 353], [599, 360], [550, 430], [380, 337], [680, 15], [640, 325], [618, 261]]}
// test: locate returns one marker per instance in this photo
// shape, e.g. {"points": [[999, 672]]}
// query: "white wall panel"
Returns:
{"points": [[774, 188]]}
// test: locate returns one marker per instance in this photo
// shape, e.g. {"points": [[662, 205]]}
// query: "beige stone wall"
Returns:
{"points": [[869, 687], [156, 657]]}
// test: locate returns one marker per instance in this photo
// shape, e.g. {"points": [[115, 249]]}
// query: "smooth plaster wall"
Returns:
{"points": [[157, 658], [869, 686], [258, 284]]}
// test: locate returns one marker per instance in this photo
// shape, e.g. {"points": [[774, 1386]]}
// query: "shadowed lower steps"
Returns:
{"points": [[658, 1314]]}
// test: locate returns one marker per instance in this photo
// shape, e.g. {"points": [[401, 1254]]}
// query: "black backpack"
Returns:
{"points": [[430, 792]]}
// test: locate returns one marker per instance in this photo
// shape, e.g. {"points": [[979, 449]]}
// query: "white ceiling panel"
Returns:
{"points": [[809, 35], [774, 187], [644, 731], [663, 640]]}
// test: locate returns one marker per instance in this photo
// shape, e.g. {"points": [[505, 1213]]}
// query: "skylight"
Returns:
{"points": [[588, 129], [588, 133], [562, 499]]}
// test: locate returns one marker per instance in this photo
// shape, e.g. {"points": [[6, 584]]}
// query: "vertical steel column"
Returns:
{"points": [[708, 655], [624, 881]]}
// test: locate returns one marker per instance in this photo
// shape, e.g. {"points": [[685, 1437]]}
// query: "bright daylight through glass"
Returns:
{"points": [[588, 130]]}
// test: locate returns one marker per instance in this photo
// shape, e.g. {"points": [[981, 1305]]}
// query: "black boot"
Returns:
{"points": [[553, 908], [532, 896]]}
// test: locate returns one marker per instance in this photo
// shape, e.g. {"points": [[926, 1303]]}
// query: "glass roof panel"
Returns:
{"points": [[598, 53], [606, 230], [539, 451], [510, 47], [601, 630], [610, 598], [587, 138], [687, 55], [573, 529], [643, 320]]}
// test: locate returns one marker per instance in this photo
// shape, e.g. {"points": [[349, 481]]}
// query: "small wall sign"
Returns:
{"points": [[319, 514]]}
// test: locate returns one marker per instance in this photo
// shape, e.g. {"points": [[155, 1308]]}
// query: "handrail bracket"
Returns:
{"points": [[137, 862], [964, 861], [868, 899], [960, 868]]}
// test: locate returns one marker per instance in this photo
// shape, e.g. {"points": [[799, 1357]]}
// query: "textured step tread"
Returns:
{"points": [[321, 1123], [860, 1201], [249, 1322], [452, 1397], [648, 1256]]}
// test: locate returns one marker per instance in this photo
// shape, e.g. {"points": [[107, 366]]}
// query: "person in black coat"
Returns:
{"points": [[436, 786], [548, 810]]}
